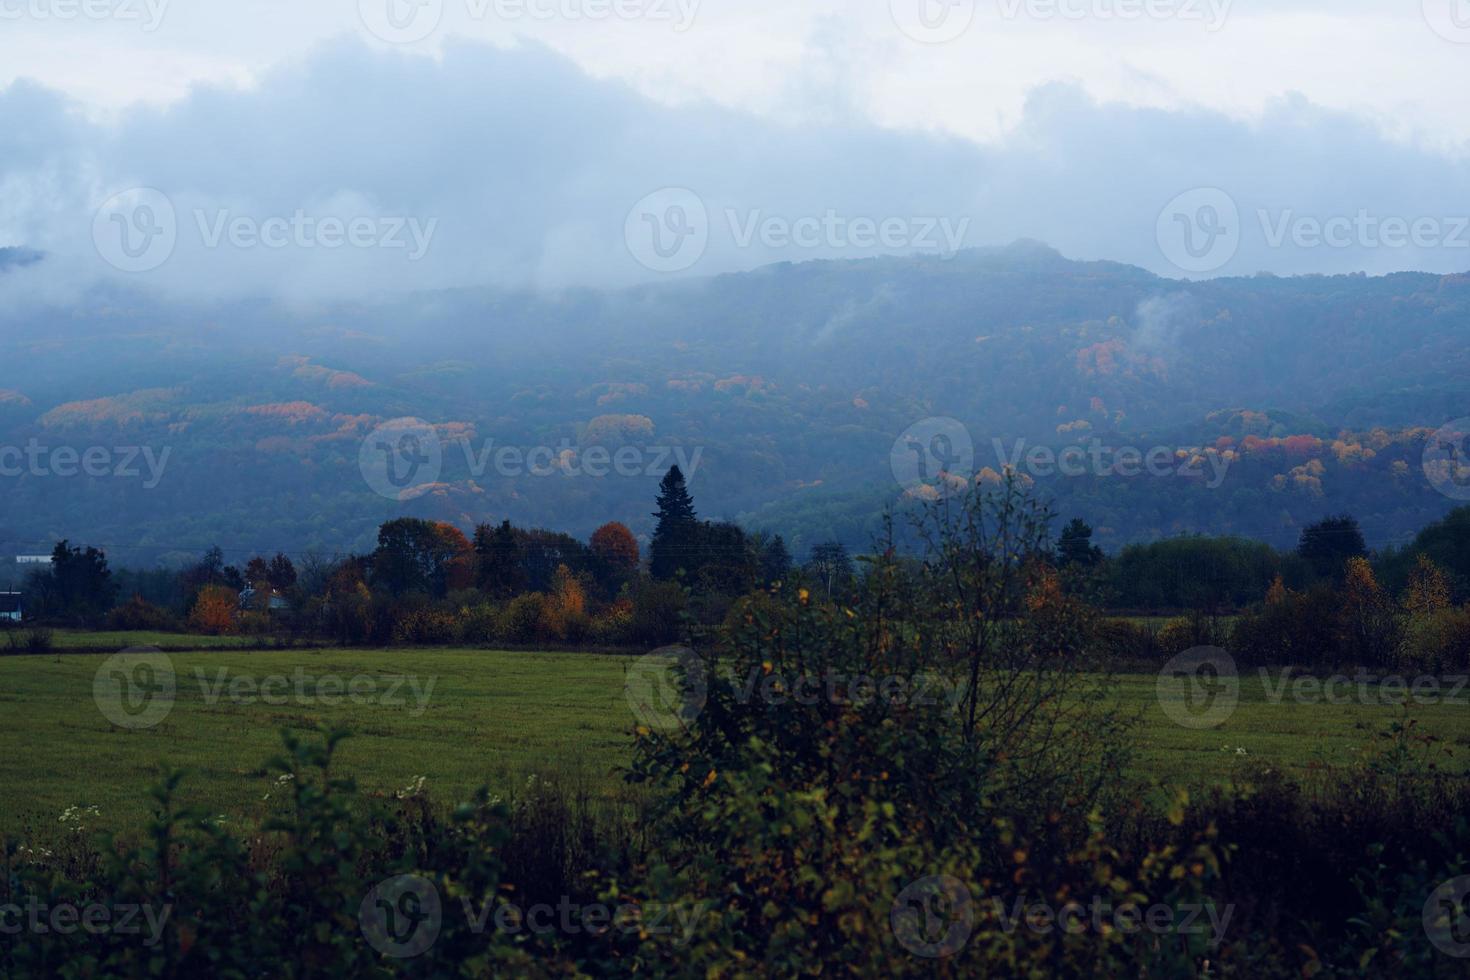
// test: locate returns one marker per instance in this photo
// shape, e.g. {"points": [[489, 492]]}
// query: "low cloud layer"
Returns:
{"points": [[359, 169]]}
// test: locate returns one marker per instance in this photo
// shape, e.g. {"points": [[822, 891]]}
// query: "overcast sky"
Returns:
{"points": [[323, 147]]}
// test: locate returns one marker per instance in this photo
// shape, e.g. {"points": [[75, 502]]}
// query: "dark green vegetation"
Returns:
{"points": [[794, 381], [864, 829], [497, 718], [489, 718]]}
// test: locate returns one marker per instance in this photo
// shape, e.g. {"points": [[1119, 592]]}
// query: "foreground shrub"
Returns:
{"points": [[658, 612], [138, 614], [426, 626], [1300, 628], [525, 617], [480, 625], [1436, 641], [613, 626], [215, 611], [37, 639]]}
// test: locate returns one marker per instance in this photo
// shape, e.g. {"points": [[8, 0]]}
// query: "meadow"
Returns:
{"points": [[460, 719], [96, 640]]}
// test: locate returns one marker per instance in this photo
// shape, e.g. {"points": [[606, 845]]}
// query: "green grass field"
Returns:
{"points": [[493, 718], [65, 639]]}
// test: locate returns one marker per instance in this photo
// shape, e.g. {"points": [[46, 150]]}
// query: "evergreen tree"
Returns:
{"points": [[83, 586], [282, 573], [1329, 544], [775, 561], [499, 555], [724, 559], [257, 572], [1075, 546], [832, 567], [675, 538]]}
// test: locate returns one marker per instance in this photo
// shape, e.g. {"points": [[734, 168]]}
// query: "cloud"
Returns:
{"points": [[511, 167]]}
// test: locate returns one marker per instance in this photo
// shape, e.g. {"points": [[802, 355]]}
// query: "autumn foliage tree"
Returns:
{"points": [[422, 556], [614, 544], [1428, 590], [214, 610], [614, 556], [565, 609], [1369, 627]]}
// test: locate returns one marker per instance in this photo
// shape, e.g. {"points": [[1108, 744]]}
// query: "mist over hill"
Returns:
{"points": [[783, 390]]}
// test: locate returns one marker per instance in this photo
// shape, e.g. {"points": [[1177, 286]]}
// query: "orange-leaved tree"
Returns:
{"points": [[214, 610]]}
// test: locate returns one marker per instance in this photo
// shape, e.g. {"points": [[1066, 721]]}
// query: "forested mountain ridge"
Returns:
{"points": [[790, 383]]}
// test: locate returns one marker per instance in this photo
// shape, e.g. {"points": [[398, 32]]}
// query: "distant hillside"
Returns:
{"points": [[791, 382]]}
